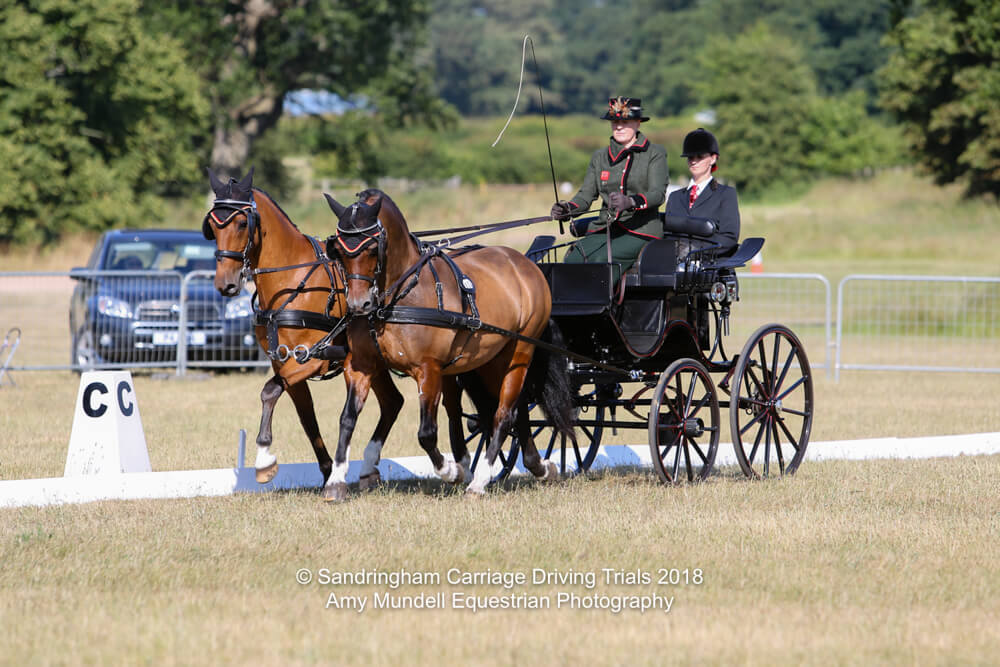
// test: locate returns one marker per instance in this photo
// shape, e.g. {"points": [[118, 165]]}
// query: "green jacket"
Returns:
{"points": [[639, 171]]}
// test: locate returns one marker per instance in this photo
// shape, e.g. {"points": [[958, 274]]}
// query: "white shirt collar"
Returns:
{"points": [[700, 188]]}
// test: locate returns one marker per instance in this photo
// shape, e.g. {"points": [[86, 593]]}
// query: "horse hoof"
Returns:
{"points": [[369, 482], [265, 475], [472, 494], [335, 493], [551, 472]]}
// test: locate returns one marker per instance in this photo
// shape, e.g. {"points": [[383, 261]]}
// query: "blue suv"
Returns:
{"points": [[126, 306]]}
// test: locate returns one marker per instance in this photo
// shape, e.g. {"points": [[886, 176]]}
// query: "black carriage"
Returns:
{"points": [[643, 351]]}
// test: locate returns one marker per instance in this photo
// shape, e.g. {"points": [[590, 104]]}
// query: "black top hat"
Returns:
{"points": [[624, 108]]}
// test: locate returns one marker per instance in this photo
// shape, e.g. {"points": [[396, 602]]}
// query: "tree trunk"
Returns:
{"points": [[236, 131]]}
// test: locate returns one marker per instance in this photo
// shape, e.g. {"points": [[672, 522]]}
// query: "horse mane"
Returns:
{"points": [[278, 206]]}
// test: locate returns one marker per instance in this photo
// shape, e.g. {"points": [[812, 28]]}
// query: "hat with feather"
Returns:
{"points": [[624, 108]]}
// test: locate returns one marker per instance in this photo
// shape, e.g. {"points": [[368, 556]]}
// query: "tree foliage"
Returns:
{"points": [[761, 90], [591, 49], [942, 81], [96, 117], [251, 53]]}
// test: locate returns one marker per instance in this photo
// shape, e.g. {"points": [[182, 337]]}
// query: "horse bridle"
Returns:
{"points": [[374, 233], [235, 207]]}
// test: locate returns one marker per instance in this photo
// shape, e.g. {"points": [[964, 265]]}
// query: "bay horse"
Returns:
{"points": [[300, 299], [391, 277]]}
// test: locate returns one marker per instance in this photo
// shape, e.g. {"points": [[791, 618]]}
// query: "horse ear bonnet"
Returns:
{"points": [[335, 206]]}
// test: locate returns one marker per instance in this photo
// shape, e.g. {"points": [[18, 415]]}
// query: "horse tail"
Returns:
{"points": [[548, 383]]}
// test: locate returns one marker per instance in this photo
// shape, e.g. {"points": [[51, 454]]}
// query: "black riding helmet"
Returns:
{"points": [[700, 141]]}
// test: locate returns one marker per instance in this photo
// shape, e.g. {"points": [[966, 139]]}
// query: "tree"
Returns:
{"points": [[251, 53], [761, 91], [96, 117], [943, 83]]}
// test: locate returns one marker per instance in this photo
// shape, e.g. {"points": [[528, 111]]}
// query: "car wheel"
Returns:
{"points": [[83, 352]]}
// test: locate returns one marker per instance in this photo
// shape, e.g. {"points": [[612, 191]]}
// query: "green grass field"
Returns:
{"points": [[886, 562]]}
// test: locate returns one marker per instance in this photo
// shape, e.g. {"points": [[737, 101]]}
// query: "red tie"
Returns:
{"points": [[692, 195]]}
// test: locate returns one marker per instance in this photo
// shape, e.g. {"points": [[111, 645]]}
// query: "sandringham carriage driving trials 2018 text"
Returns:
{"points": [[553, 589]]}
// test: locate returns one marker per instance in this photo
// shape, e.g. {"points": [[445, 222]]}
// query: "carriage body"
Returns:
{"points": [[643, 353]]}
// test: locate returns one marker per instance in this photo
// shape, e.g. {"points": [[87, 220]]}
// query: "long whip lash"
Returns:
{"points": [[541, 102]]}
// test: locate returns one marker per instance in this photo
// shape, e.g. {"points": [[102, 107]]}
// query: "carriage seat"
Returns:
{"points": [[656, 266]]}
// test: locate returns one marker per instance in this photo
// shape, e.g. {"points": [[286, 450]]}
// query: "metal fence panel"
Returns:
{"points": [[925, 323], [800, 301], [114, 319]]}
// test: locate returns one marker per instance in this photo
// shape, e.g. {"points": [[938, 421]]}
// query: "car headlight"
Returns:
{"points": [[112, 307], [239, 307]]}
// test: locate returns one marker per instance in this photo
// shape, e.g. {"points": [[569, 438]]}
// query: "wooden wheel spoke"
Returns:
{"points": [[777, 449], [687, 458], [784, 370], [665, 449], [794, 386], [701, 454], [757, 382], [677, 459], [784, 429], [551, 445], [756, 444], [690, 394], [756, 418], [774, 364], [767, 448]]}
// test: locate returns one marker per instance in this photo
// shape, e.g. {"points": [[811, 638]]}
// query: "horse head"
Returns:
{"points": [[234, 224], [360, 245]]}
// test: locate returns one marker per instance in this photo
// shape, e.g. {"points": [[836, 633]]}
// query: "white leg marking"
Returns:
{"points": [[448, 471], [339, 473], [373, 454], [482, 477], [264, 457]]}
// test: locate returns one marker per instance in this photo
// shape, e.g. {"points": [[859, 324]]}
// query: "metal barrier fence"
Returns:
{"points": [[918, 323], [83, 320], [800, 301], [133, 319]]}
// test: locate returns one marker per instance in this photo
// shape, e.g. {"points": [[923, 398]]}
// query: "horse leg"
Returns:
{"points": [[509, 399], [451, 393], [302, 398], [429, 382], [390, 402], [543, 470], [358, 384], [266, 463]]}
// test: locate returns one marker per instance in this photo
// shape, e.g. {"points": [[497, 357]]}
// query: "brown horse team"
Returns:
{"points": [[388, 271]]}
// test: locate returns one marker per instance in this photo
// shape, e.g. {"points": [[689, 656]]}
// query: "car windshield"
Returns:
{"points": [[183, 256]]}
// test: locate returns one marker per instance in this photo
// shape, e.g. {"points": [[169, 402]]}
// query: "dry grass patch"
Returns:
{"points": [[846, 563]]}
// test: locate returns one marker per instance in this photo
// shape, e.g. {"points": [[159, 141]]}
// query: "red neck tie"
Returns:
{"points": [[692, 195]]}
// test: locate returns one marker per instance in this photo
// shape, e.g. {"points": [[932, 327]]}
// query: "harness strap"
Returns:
{"points": [[282, 317], [449, 319]]}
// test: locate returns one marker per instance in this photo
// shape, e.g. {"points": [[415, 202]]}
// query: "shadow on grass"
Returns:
{"points": [[623, 475]]}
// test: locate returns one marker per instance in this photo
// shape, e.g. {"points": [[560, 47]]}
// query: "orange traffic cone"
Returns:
{"points": [[757, 263]]}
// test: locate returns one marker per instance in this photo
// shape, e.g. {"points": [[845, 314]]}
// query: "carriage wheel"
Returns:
{"points": [[570, 457], [771, 407], [684, 422]]}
